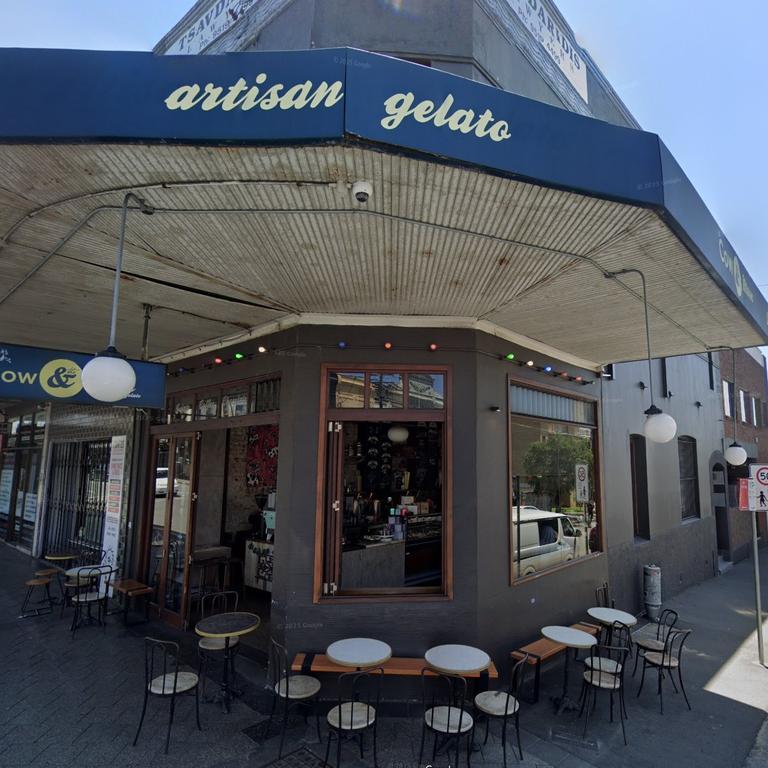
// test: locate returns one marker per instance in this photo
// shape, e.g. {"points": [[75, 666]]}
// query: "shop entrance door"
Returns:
{"points": [[172, 514]]}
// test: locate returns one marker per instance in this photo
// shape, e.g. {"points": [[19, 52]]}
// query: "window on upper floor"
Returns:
{"points": [[728, 404], [743, 406]]}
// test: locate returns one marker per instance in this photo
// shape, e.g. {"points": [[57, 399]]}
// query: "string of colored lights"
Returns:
{"points": [[546, 368]]}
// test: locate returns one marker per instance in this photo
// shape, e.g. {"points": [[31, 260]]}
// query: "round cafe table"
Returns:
{"points": [[226, 626], [359, 652], [571, 638], [609, 616], [457, 659]]}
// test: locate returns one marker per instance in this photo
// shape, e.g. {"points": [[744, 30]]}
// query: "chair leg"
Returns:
{"points": [[141, 719], [487, 724], [423, 735], [517, 731], [26, 601], [197, 707], [586, 717], [642, 678], [504, 737], [362, 754], [470, 740], [338, 746], [327, 748], [637, 658], [271, 715], [315, 703], [682, 687], [661, 692], [284, 728], [610, 720], [170, 723], [375, 755], [621, 717]]}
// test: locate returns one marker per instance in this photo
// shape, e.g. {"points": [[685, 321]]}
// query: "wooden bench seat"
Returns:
{"points": [[131, 588], [543, 649], [398, 665]]}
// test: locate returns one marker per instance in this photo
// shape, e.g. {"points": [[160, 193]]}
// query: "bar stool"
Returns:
{"points": [[39, 610]]}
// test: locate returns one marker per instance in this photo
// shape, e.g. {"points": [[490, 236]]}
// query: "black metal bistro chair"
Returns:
{"points": [[666, 662], [355, 712], [443, 697], [164, 679], [603, 596], [621, 637], [595, 679], [92, 591], [667, 620], [504, 705], [291, 690], [87, 558], [210, 649]]}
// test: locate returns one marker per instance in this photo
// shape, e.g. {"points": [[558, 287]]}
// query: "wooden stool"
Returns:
{"points": [[40, 609]]}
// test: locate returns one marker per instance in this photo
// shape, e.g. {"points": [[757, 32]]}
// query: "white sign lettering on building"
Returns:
{"points": [[209, 25], [539, 22], [111, 538]]}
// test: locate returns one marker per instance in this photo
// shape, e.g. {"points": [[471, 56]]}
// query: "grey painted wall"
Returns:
{"points": [[684, 550]]}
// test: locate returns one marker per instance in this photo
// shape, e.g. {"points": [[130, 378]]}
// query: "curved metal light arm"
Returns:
{"points": [[653, 408]]}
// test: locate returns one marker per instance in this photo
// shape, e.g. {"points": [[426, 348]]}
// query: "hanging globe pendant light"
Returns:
{"points": [[109, 377], [659, 427]]}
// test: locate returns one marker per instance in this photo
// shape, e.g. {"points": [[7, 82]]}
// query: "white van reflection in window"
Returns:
{"points": [[546, 539]]}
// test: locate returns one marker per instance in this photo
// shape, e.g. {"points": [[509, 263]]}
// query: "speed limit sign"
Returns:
{"points": [[582, 482], [758, 486]]}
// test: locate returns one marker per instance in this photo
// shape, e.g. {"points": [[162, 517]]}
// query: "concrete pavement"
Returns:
{"points": [[68, 701]]}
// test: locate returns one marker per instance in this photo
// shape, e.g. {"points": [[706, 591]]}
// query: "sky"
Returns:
{"points": [[689, 70]]}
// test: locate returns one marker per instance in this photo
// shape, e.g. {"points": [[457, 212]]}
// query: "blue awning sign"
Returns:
{"points": [[31, 373], [340, 95]]}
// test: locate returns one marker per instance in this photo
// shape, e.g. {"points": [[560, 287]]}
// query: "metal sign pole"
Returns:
{"points": [[758, 600]]}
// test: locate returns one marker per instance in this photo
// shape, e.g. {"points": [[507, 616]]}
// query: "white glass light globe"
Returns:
{"points": [[397, 434], [735, 455], [108, 378], [660, 427]]}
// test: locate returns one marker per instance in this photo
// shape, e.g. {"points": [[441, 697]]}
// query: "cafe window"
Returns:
{"points": [[554, 516], [207, 407], [689, 477], [27, 430], [265, 396], [234, 402], [383, 505]]}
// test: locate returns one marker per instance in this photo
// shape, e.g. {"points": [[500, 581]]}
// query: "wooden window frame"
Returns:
{"points": [[640, 497], [328, 414], [515, 580], [218, 422]]}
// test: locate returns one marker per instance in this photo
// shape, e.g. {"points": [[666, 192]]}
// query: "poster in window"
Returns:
{"points": [[262, 456]]}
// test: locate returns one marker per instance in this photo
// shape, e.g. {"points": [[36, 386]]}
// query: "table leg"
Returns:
{"points": [[226, 695], [564, 703]]}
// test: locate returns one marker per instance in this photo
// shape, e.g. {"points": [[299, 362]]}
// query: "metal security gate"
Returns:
{"points": [[77, 496]]}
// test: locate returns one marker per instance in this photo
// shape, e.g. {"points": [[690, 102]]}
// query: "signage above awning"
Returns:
{"points": [[30, 373]]}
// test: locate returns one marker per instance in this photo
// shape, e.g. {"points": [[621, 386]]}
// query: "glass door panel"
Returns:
{"points": [[158, 503], [179, 524]]}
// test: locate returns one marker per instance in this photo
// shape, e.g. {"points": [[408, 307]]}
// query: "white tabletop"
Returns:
{"points": [[573, 638], [359, 652], [457, 659], [612, 615]]}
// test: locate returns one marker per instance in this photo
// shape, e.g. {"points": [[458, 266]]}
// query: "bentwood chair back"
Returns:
{"points": [[209, 647], [355, 713], [91, 589], [666, 662], [597, 678], [504, 705], [643, 643], [443, 697], [289, 689], [164, 679]]}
